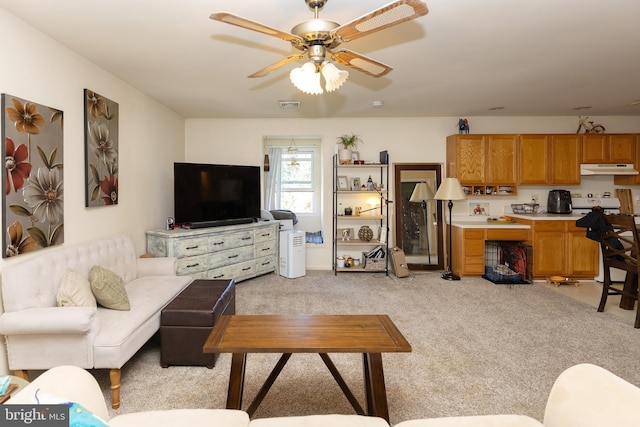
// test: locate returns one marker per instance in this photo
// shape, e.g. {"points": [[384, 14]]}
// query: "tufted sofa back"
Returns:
{"points": [[35, 281]]}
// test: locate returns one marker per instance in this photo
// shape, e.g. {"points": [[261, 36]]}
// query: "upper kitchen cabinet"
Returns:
{"points": [[484, 161], [566, 151], [549, 159], [630, 179], [612, 148], [535, 159]]}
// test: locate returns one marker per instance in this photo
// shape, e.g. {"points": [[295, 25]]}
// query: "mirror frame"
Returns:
{"points": [[437, 168]]}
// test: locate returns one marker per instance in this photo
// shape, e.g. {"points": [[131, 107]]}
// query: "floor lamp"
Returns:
{"points": [[450, 190], [421, 193]]}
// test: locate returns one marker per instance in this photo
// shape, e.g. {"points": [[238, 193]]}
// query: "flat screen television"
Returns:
{"points": [[207, 195]]}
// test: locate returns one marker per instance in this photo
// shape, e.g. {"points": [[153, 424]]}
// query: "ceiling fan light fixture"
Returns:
{"points": [[306, 79], [333, 76]]}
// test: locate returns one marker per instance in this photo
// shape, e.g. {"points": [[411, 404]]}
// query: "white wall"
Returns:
{"points": [[151, 137], [408, 140]]}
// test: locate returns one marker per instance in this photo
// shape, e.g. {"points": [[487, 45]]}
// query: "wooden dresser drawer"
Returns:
{"points": [[265, 234], [507, 234], [191, 265], [474, 233], [474, 248], [230, 240], [231, 256], [266, 248], [189, 247]]}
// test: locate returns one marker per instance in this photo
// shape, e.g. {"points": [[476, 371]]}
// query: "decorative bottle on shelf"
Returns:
{"points": [[369, 184]]}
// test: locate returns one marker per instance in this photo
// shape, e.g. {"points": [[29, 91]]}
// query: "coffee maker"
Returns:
{"points": [[559, 202]]}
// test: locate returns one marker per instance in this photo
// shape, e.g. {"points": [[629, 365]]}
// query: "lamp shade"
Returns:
{"points": [[421, 192], [306, 79], [334, 77], [450, 189]]}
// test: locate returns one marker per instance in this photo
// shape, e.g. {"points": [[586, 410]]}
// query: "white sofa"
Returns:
{"points": [[583, 396], [40, 335]]}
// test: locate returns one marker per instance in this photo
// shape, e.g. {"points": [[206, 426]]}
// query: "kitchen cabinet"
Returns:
{"points": [[565, 159], [630, 179], [534, 159], [487, 164], [608, 148], [561, 248], [549, 159], [468, 246]]}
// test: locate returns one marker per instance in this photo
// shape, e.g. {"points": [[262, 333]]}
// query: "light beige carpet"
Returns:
{"points": [[478, 348]]}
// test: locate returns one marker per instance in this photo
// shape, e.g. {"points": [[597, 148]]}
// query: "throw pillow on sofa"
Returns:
{"points": [[108, 288], [75, 291], [79, 416]]}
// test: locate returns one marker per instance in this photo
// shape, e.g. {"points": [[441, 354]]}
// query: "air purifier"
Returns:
{"points": [[292, 255]]}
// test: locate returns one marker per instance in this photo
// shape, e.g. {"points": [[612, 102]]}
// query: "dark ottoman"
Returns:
{"points": [[186, 322]]}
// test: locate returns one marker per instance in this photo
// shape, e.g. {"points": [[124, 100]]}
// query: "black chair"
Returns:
{"points": [[619, 244]]}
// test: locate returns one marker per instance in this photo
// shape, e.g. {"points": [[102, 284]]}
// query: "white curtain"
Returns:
{"points": [[275, 163]]}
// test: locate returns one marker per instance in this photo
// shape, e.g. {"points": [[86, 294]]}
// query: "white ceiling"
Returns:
{"points": [[532, 57]]}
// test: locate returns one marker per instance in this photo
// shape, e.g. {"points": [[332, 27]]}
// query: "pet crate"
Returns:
{"points": [[507, 262]]}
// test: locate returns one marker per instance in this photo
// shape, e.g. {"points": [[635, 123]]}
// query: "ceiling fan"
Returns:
{"points": [[318, 38]]}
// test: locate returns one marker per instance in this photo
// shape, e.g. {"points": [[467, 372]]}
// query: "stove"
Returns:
{"points": [[583, 205]]}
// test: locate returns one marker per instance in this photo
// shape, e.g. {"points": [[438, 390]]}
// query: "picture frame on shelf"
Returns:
{"points": [[343, 183], [355, 184], [345, 234], [355, 155]]}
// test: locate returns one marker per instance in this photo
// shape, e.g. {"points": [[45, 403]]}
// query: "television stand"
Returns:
{"points": [[236, 252]]}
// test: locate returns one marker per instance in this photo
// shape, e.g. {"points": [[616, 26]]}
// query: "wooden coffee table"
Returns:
{"points": [[370, 335]]}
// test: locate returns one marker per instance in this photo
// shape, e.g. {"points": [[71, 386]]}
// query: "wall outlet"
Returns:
{"points": [[534, 198]]}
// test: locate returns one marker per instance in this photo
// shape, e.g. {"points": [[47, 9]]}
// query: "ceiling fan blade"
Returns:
{"points": [[361, 63], [391, 14], [275, 66], [241, 22]]}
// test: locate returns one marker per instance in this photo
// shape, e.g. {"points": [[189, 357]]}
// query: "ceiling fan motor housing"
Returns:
{"points": [[316, 3]]}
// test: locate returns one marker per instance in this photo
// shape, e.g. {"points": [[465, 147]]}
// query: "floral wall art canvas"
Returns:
{"points": [[101, 148], [32, 202]]}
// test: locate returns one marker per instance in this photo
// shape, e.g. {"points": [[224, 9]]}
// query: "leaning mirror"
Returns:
{"points": [[418, 217]]}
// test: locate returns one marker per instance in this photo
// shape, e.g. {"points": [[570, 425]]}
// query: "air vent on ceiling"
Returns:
{"points": [[289, 104]]}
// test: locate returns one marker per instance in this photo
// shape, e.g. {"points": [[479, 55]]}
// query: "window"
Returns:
{"points": [[294, 189], [293, 181]]}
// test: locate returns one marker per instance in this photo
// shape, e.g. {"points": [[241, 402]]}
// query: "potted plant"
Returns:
{"points": [[348, 142]]}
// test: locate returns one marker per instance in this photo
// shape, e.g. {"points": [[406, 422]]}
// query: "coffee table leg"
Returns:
{"points": [[375, 390], [236, 380]]}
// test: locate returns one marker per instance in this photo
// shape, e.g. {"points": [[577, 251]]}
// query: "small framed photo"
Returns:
{"points": [[343, 183], [479, 209], [345, 234], [355, 155], [355, 184]]}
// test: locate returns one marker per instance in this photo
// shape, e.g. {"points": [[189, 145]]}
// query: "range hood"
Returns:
{"points": [[608, 169]]}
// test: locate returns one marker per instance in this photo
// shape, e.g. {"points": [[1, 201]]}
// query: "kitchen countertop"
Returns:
{"points": [[477, 222], [485, 224], [548, 216]]}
